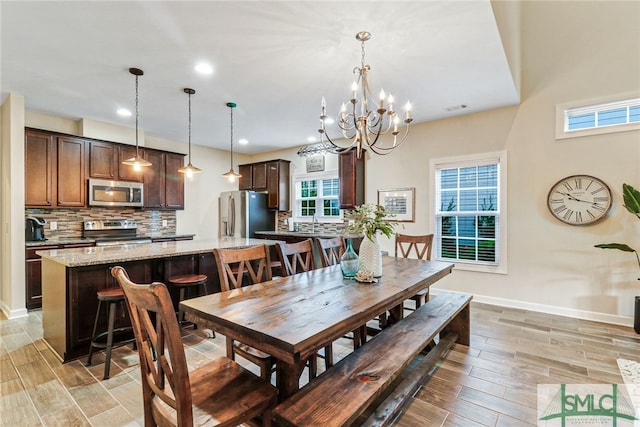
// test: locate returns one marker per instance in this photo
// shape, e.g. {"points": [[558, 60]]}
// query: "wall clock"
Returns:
{"points": [[579, 200]]}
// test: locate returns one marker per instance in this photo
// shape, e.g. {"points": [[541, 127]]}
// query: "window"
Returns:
{"points": [[469, 211], [598, 118], [317, 194]]}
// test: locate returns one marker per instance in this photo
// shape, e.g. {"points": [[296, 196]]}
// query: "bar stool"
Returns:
{"points": [[186, 283], [113, 297]]}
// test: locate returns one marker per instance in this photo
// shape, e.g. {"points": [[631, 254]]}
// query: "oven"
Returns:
{"points": [[113, 232]]}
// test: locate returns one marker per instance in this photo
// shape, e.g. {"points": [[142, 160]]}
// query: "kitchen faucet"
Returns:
{"points": [[313, 224]]}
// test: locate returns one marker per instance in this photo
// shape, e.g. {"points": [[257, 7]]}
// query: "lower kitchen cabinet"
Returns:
{"points": [[82, 302], [33, 279]]}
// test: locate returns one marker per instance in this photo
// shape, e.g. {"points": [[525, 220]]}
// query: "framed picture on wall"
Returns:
{"points": [[399, 202], [315, 163]]}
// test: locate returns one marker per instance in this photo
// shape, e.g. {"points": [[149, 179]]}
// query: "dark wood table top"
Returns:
{"points": [[293, 317]]}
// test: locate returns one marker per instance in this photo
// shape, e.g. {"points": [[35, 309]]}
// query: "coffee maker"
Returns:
{"points": [[34, 229]]}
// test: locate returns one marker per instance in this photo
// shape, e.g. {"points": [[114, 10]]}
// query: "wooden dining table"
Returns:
{"points": [[293, 317]]}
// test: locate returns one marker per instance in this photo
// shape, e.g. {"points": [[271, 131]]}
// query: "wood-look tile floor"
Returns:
{"points": [[491, 383]]}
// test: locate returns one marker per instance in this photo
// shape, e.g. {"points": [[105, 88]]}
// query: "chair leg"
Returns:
{"points": [[230, 353], [93, 334], [313, 367], [112, 321], [328, 356]]}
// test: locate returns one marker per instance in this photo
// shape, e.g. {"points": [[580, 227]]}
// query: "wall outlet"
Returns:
{"points": [[164, 223], [53, 225]]}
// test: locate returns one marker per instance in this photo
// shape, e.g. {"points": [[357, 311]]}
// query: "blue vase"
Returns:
{"points": [[349, 261]]}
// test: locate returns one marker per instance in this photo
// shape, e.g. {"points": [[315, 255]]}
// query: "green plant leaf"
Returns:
{"points": [[631, 198], [619, 246]]}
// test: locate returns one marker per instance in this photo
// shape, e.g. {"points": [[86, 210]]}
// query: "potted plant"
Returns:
{"points": [[631, 199], [370, 219]]}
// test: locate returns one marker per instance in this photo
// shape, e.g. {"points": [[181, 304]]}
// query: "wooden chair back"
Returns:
{"points": [[296, 257], [165, 377], [234, 263], [420, 246], [330, 250]]}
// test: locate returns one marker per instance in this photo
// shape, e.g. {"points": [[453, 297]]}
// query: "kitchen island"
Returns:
{"points": [[71, 278]]}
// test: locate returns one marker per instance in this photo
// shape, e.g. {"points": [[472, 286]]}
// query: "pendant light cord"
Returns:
{"points": [[189, 128], [231, 137], [137, 150]]}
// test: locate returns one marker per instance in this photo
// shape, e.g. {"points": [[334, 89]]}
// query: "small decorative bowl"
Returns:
{"points": [[364, 276]]}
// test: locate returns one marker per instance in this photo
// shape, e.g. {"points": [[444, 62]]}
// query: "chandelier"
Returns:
{"points": [[231, 174], [189, 170], [136, 161], [363, 122]]}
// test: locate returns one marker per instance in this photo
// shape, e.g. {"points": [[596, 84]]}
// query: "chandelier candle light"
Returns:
{"points": [[231, 174], [189, 170], [363, 122], [136, 161]]}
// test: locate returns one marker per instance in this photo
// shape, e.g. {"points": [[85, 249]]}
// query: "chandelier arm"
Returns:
{"points": [[338, 148]]}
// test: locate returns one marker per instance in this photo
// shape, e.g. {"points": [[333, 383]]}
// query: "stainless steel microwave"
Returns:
{"points": [[103, 192]]}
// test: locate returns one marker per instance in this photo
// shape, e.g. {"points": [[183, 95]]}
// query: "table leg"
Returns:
{"points": [[288, 378], [395, 314]]}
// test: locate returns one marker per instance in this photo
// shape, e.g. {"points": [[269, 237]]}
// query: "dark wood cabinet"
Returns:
{"points": [[245, 182], [55, 174], [163, 184], [278, 185], [33, 270], [351, 174], [271, 176], [254, 177], [39, 179], [71, 179], [105, 161], [82, 303]]}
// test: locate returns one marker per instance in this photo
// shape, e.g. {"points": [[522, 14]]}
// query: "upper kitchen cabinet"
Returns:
{"points": [[270, 176], [163, 184], [105, 161], [278, 185], [55, 173], [351, 174], [39, 179], [72, 189], [254, 177]]}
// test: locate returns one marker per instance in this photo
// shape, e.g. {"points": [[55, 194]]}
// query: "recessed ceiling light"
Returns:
{"points": [[329, 121], [243, 141], [312, 139], [123, 112], [204, 68]]}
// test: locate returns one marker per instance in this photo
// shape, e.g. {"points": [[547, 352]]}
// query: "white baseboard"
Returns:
{"points": [[549, 309], [13, 314]]}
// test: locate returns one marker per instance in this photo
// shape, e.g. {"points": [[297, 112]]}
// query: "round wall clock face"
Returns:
{"points": [[579, 200]]}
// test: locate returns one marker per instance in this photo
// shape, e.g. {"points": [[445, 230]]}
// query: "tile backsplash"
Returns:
{"points": [[323, 227], [69, 221]]}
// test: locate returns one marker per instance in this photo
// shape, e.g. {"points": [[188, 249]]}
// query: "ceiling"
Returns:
{"points": [[275, 59]]}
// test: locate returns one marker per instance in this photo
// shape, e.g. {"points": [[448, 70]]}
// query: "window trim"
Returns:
{"points": [[313, 176], [474, 160], [596, 104]]}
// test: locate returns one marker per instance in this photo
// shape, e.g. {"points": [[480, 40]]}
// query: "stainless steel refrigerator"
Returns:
{"points": [[242, 213]]}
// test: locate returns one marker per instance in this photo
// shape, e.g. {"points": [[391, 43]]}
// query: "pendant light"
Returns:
{"points": [[136, 161], [231, 175], [189, 170]]}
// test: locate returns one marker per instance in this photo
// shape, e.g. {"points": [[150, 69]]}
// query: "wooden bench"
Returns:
{"points": [[371, 385]]}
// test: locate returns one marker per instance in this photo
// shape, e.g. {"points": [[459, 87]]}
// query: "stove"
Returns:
{"points": [[113, 232]]}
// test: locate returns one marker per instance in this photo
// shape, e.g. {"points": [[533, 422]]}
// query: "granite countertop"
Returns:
{"points": [[320, 234], [97, 255], [80, 240]]}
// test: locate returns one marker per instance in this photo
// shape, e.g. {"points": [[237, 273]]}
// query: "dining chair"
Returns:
{"points": [[420, 246], [298, 258], [245, 266], [219, 393], [331, 249]]}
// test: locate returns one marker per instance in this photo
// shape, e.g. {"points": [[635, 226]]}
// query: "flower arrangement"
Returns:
{"points": [[368, 219], [631, 198]]}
